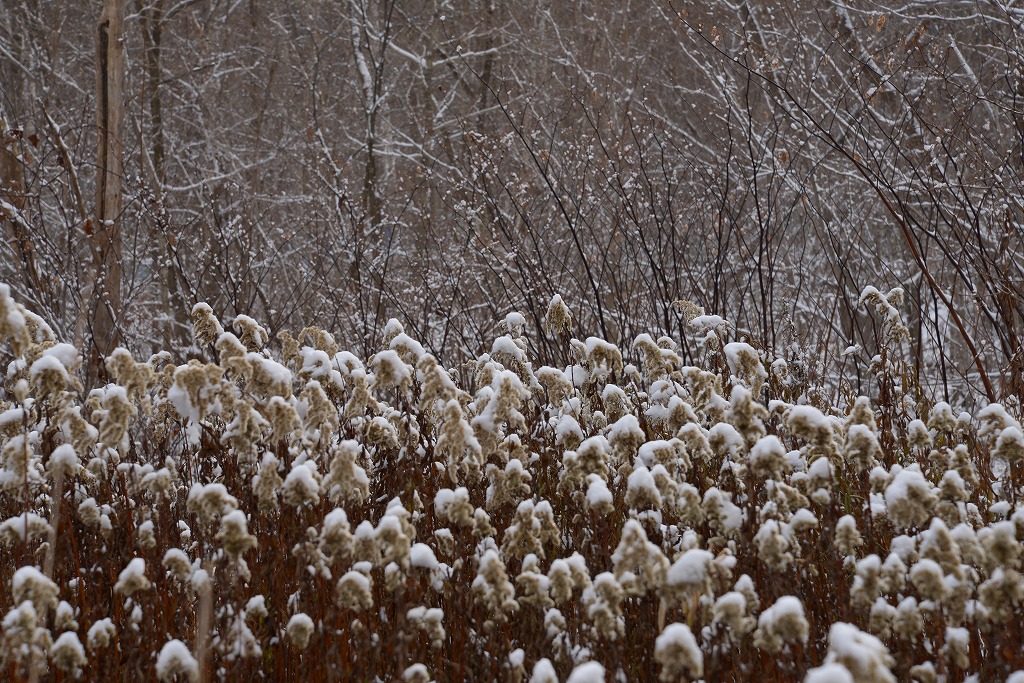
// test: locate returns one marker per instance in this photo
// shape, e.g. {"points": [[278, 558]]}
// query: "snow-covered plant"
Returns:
{"points": [[623, 513], [678, 653]]}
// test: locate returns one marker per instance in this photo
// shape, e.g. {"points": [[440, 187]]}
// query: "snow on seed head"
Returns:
{"points": [[67, 653], [417, 673], [784, 622], [590, 672], [354, 591], [210, 502], [28, 583], [302, 485], [862, 654], [745, 364], [492, 587], [603, 601], [909, 499], [557, 319], [678, 653], [847, 538], [767, 458], [639, 564], [101, 633], [177, 564], [132, 578], [234, 534], [175, 662], [773, 546], [641, 491], [731, 611], [300, 630]]}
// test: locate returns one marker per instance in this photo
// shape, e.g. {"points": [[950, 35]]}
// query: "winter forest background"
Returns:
{"points": [[445, 163], [467, 340]]}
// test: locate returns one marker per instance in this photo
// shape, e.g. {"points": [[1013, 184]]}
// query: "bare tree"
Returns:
{"points": [[104, 290]]}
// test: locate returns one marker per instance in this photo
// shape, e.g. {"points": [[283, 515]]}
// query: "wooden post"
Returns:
{"points": [[106, 239]]}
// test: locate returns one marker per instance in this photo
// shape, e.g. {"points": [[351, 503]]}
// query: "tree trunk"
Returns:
{"points": [[106, 240], [175, 328]]}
